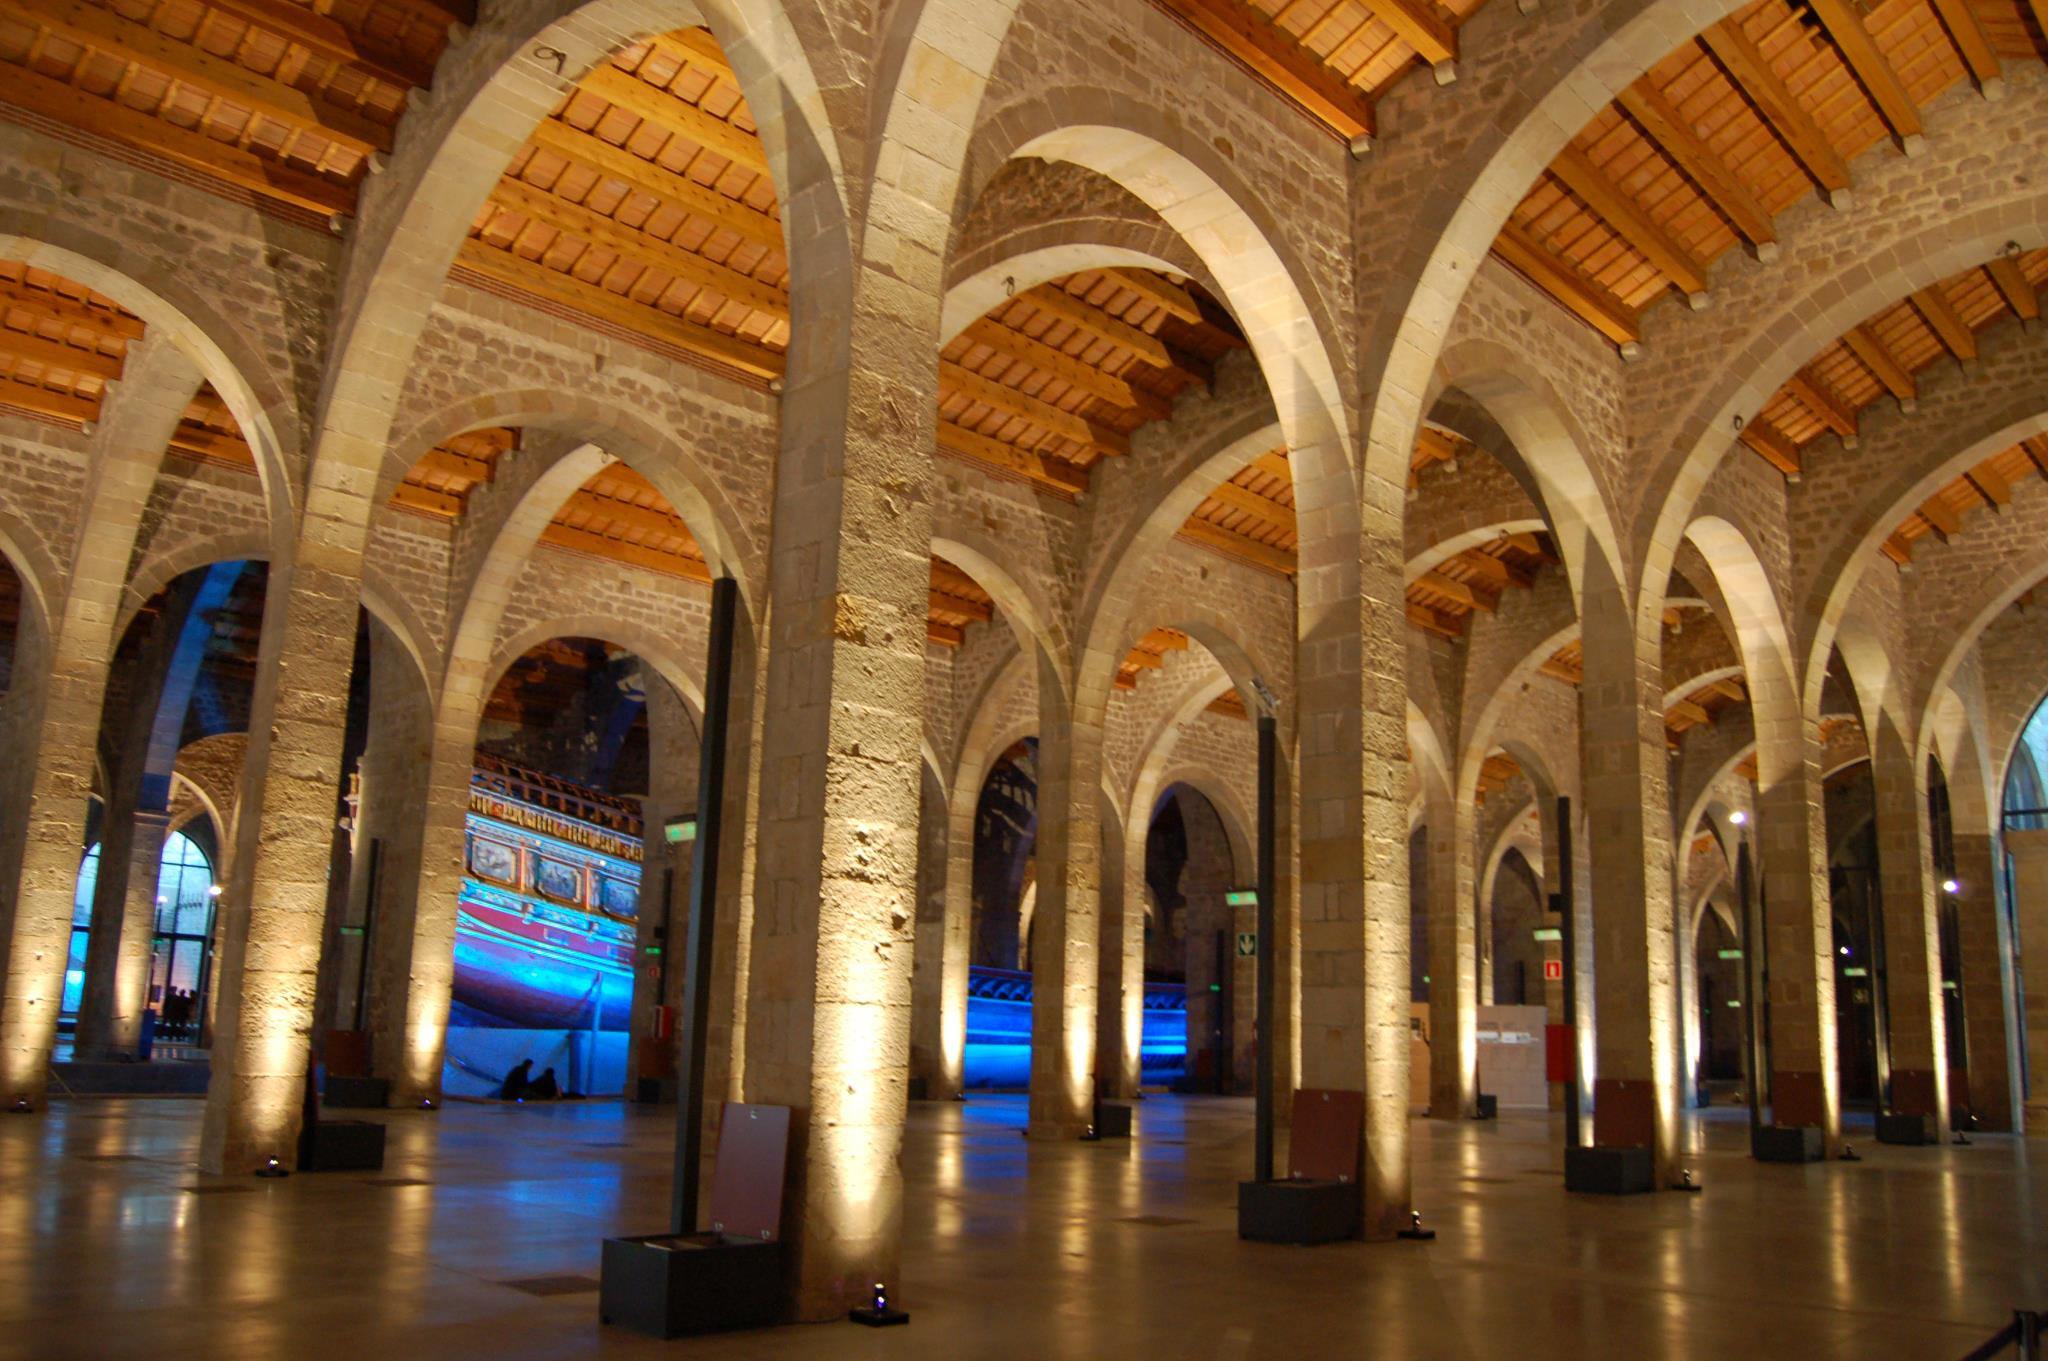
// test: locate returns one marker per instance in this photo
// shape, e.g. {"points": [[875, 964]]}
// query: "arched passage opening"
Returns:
{"points": [[1200, 933]]}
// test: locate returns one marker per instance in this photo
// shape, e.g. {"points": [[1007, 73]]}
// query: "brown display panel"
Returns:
{"points": [[1327, 1136], [746, 1185]]}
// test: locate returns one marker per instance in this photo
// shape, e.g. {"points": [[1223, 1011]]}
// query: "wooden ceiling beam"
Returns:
{"points": [[1779, 452], [1259, 507], [51, 354], [1622, 213], [607, 234], [1056, 301], [1938, 512], [1898, 548], [625, 515], [1429, 621], [1051, 472], [69, 311], [1689, 711], [1292, 69], [1274, 463], [1661, 121], [1781, 110], [945, 635], [1563, 281], [213, 446], [636, 172], [1161, 292], [1948, 325], [2015, 287], [324, 37], [1238, 546], [942, 603], [569, 291], [448, 463], [1020, 348], [1865, 345], [1993, 490], [55, 100], [439, 504], [1873, 70], [1811, 393], [2035, 447], [1052, 419], [1966, 30], [671, 113], [60, 406], [1729, 688], [1436, 583], [194, 66], [1435, 41], [633, 555]]}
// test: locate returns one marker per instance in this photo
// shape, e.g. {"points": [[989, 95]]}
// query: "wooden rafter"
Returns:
{"points": [[324, 37], [1948, 324], [672, 113], [1563, 281], [1668, 128], [1966, 30], [1280, 61], [1623, 214], [1865, 345], [1057, 302], [2015, 288], [1056, 474], [616, 163], [1238, 546], [1785, 115], [1873, 70], [1435, 41], [1814, 395], [1779, 452]]}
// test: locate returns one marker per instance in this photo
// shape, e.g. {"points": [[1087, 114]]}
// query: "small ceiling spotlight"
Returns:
{"points": [[1738, 817], [1951, 887], [214, 890]]}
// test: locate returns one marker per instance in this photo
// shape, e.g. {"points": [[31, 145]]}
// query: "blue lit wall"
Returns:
{"points": [[999, 1030]]}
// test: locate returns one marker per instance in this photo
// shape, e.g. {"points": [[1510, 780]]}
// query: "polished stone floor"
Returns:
{"points": [[112, 1247]]}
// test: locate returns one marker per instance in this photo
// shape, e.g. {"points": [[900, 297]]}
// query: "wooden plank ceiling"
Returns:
{"points": [[1333, 58], [1732, 128], [270, 97]]}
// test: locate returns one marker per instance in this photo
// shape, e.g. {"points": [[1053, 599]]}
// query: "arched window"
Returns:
{"points": [[180, 933]]}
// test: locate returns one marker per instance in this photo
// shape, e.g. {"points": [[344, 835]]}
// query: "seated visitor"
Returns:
{"points": [[544, 1087], [517, 1082]]}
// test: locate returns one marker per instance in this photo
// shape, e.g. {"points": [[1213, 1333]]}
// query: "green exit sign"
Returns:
{"points": [[679, 829], [1548, 933], [1729, 954], [1241, 897]]}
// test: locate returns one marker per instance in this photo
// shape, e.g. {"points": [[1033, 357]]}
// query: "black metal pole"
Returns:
{"points": [[696, 1007], [1752, 1058], [1262, 1154], [376, 877], [1568, 940]]}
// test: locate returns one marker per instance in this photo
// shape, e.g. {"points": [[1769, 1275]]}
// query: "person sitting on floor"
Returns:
{"points": [[544, 1088], [518, 1082]]}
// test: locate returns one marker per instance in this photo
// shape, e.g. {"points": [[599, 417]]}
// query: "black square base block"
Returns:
{"points": [[1112, 1120], [1609, 1171], [1789, 1144], [1907, 1129], [342, 1146], [1297, 1211], [1489, 1106], [669, 1286], [356, 1093]]}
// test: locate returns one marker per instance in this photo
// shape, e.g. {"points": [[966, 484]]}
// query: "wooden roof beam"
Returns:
{"points": [[1974, 44], [607, 234], [324, 37], [1290, 68], [1429, 621], [1419, 25], [1864, 344], [1023, 349], [1807, 388], [1001, 397], [978, 610], [68, 311], [1251, 503], [189, 64], [633, 555], [1898, 548], [1057, 302], [1033, 467], [1564, 282], [1873, 70], [448, 463], [2035, 447], [1941, 515], [1238, 546], [945, 635], [1623, 214], [1161, 292], [671, 113], [1729, 688], [567, 290], [1992, 489], [2014, 286], [1949, 327], [1689, 711], [1661, 121], [52, 354], [636, 172], [1781, 110], [1779, 452], [1436, 583], [220, 160]]}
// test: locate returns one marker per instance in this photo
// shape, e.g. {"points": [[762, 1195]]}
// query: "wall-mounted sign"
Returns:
{"points": [[1241, 897], [1247, 944], [1553, 970]]}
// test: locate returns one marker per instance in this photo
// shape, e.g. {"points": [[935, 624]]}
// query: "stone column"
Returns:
{"points": [[2029, 850], [137, 419], [1068, 924], [1623, 774], [1791, 834], [1351, 687], [276, 901], [928, 1052], [1119, 1025], [1986, 946], [390, 817], [1453, 1013], [673, 757], [1912, 942]]}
